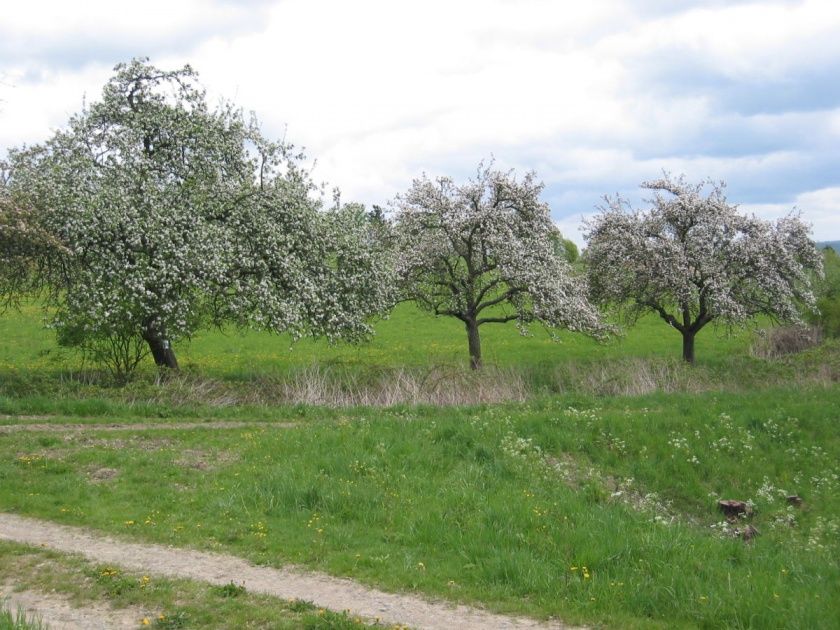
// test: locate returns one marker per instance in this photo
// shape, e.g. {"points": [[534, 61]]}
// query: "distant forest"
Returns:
{"points": [[835, 245]]}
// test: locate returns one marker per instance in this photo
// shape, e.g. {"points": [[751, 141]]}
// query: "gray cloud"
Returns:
{"points": [[685, 73]]}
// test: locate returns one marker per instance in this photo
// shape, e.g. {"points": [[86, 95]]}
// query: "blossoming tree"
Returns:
{"points": [[692, 259], [21, 243], [174, 215], [485, 252]]}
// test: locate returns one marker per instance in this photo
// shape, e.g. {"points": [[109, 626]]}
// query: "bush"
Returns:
{"points": [[777, 342], [828, 295]]}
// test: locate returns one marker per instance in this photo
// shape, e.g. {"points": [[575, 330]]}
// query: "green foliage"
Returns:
{"points": [[828, 294], [571, 250], [231, 589], [114, 581], [564, 247]]}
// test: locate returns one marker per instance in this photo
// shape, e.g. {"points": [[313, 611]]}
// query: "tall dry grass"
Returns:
{"points": [[777, 342]]}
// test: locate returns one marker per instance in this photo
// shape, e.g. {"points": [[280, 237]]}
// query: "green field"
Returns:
{"points": [[593, 499], [407, 338], [413, 358]]}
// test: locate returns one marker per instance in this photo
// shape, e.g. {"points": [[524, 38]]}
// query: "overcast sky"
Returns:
{"points": [[594, 96]]}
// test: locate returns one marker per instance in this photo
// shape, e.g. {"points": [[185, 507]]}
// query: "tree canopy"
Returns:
{"points": [[485, 252], [173, 215], [692, 259]]}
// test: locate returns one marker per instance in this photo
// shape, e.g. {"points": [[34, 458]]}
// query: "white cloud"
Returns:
{"points": [[820, 208], [379, 91]]}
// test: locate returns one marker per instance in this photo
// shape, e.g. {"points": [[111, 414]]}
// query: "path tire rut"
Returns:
{"points": [[141, 426]]}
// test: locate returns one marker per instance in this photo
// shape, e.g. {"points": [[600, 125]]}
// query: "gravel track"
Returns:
{"points": [[288, 583]]}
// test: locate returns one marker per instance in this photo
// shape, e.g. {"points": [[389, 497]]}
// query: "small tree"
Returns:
{"points": [[693, 259], [175, 216], [484, 252]]}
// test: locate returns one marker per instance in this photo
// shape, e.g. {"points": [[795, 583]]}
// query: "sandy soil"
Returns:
{"points": [[57, 613], [287, 583]]}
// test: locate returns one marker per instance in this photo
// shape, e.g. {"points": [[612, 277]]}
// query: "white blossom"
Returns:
{"points": [[176, 216], [692, 258], [484, 252]]}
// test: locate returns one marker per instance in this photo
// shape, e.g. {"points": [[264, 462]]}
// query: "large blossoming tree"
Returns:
{"points": [[173, 215], [693, 259], [486, 252]]}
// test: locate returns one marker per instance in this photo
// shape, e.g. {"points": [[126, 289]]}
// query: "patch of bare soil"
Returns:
{"points": [[287, 583], [101, 475], [201, 459], [58, 613]]}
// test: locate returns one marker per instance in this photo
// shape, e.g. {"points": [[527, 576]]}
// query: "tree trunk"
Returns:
{"points": [[475, 345], [161, 349], [688, 346]]}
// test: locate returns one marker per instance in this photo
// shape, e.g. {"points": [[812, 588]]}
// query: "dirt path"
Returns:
{"points": [[289, 583], [143, 426], [5, 416], [57, 613]]}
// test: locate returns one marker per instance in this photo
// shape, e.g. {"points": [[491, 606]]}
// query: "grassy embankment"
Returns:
{"points": [[592, 508]]}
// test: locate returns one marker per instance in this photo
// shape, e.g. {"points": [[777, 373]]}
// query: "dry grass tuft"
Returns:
{"points": [[434, 386], [778, 342], [342, 387], [632, 377]]}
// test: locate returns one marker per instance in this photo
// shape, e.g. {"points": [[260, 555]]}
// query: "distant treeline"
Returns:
{"points": [[835, 245]]}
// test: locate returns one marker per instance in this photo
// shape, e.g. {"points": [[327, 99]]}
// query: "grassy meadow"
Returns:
{"points": [[407, 338], [412, 359], [590, 495]]}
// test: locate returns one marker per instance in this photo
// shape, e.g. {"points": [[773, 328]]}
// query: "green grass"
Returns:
{"points": [[17, 620], [163, 603], [408, 338], [413, 358], [501, 505]]}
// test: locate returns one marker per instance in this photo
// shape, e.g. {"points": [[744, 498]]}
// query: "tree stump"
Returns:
{"points": [[732, 508]]}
